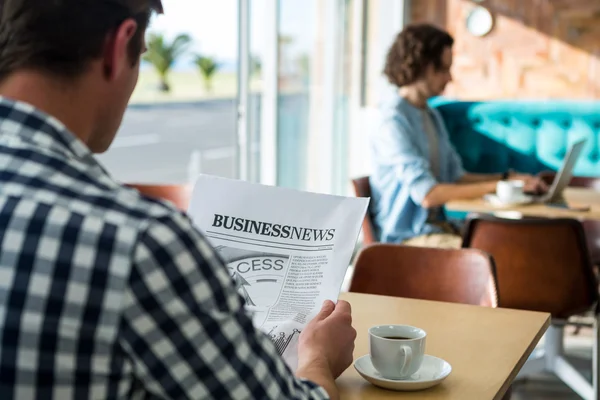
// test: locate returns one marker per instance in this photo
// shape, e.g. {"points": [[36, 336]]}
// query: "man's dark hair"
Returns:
{"points": [[413, 50], [61, 37]]}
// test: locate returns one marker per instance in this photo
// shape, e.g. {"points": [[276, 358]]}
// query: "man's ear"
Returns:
{"points": [[116, 57]]}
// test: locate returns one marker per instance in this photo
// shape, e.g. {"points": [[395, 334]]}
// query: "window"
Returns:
{"points": [[182, 116], [257, 89]]}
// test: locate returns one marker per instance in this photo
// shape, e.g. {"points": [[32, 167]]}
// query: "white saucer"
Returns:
{"points": [[433, 371], [494, 200]]}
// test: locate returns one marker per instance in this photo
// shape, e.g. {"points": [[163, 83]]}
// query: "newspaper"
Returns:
{"points": [[287, 251]]}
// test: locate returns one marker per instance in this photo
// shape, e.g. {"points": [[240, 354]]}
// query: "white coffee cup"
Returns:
{"points": [[397, 358], [508, 191]]}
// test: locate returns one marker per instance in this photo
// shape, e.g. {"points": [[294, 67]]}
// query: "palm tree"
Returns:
{"points": [[207, 66], [162, 55], [255, 65]]}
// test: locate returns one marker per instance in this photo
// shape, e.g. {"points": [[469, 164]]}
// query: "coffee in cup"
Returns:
{"points": [[397, 350]]}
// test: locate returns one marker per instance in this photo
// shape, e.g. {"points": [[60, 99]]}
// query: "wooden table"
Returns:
{"points": [[486, 347], [573, 196]]}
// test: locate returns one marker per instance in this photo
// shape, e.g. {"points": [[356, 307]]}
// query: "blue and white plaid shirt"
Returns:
{"points": [[107, 294]]}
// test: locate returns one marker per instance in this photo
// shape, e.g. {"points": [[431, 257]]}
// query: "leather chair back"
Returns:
{"points": [[451, 275], [591, 227], [541, 264]]}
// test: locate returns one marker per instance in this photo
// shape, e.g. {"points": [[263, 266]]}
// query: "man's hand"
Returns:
{"points": [[328, 338], [326, 345]]}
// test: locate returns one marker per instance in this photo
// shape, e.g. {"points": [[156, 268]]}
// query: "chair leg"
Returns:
{"points": [[573, 378], [579, 363], [556, 362], [553, 345]]}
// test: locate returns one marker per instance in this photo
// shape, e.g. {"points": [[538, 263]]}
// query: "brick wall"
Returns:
{"points": [[537, 49]]}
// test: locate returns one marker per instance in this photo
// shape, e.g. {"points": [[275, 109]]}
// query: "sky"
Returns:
{"points": [[213, 25]]}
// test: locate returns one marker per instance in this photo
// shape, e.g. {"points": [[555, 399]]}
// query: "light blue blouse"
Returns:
{"points": [[402, 174]]}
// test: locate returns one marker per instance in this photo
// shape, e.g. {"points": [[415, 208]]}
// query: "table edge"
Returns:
{"points": [[511, 377]]}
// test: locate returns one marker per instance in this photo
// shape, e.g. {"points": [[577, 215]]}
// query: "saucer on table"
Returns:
{"points": [[495, 200], [433, 371]]}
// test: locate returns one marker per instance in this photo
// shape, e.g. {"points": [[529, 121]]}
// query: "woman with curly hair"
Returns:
{"points": [[416, 169]]}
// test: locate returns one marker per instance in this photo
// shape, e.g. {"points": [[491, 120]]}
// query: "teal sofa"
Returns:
{"points": [[527, 136]]}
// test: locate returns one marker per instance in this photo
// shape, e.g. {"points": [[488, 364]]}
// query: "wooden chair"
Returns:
{"points": [[449, 275], [179, 195], [362, 188], [543, 265], [590, 227]]}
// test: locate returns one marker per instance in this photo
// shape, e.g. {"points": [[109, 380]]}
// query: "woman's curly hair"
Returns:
{"points": [[417, 46]]}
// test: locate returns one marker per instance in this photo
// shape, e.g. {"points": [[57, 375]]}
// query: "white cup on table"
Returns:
{"points": [[397, 350], [508, 191]]}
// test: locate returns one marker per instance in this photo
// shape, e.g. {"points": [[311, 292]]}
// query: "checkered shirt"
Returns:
{"points": [[106, 294]]}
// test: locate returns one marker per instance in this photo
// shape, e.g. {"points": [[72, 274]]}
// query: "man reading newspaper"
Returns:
{"points": [[104, 293], [284, 264]]}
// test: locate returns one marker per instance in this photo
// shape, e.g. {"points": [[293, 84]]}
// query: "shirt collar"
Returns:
{"points": [[41, 129]]}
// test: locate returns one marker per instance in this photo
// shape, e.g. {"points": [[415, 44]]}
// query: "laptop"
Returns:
{"points": [[562, 178]]}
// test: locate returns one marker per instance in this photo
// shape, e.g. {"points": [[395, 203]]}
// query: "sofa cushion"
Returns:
{"points": [[528, 136]]}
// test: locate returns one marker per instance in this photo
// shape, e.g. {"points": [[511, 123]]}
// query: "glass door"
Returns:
{"points": [[313, 66], [296, 80], [299, 55]]}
